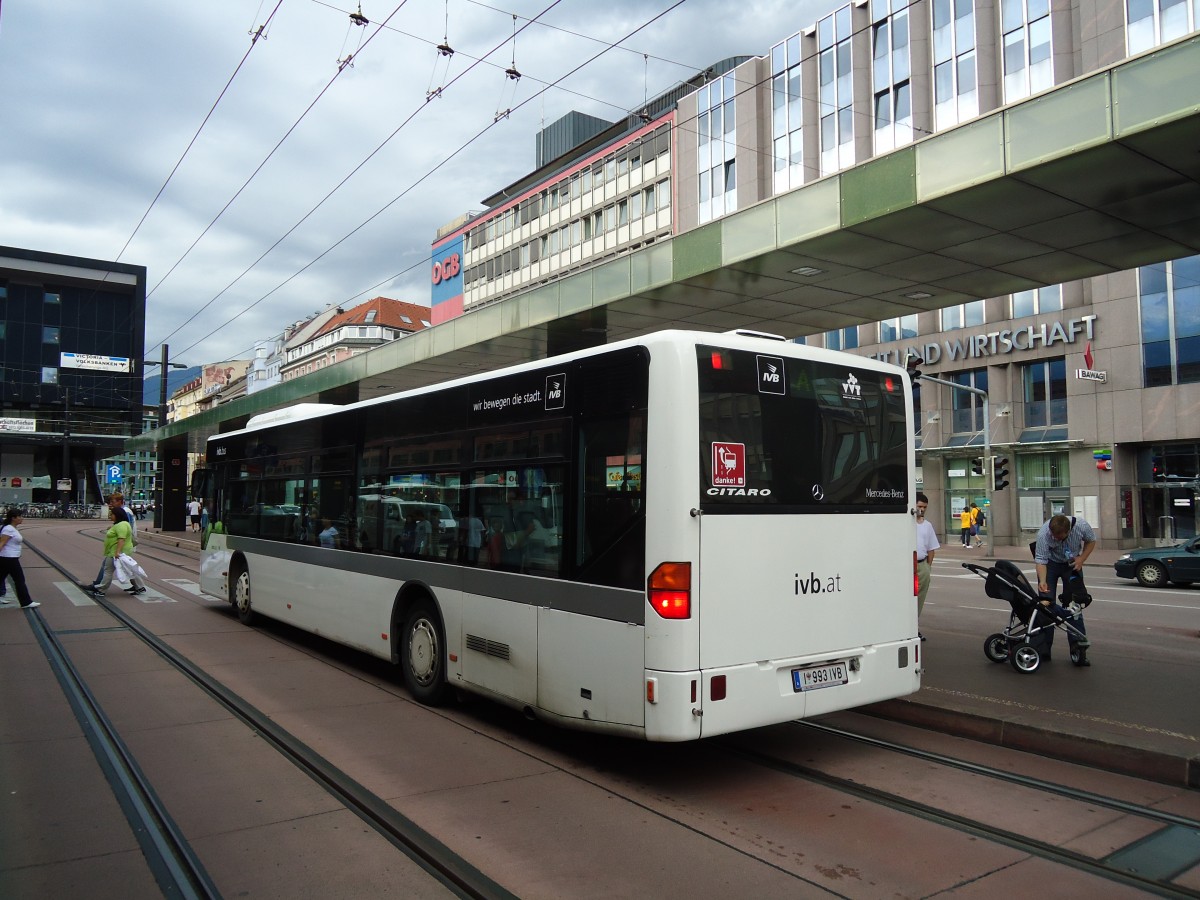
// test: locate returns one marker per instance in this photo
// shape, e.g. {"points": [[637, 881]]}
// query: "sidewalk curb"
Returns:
{"points": [[168, 539], [1121, 758]]}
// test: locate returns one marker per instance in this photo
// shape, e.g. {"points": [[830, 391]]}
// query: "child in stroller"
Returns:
{"points": [[1027, 639]]}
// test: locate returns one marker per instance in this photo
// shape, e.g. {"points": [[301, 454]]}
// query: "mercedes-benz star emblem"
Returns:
{"points": [[818, 492]]}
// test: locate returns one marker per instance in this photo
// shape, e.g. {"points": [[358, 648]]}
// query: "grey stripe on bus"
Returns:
{"points": [[597, 601]]}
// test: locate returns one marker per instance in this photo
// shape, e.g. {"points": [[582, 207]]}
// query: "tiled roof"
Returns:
{"points": [[387, 312]]}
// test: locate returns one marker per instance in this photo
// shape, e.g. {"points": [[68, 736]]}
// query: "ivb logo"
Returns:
{"points": [[556, 391], [728, 464], [770, 375]]}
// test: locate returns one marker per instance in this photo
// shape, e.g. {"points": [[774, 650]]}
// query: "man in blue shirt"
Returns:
{"points": [[1062, 547]]}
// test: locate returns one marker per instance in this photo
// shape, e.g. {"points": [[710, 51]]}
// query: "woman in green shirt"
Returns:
{"points": [[117, 540]]}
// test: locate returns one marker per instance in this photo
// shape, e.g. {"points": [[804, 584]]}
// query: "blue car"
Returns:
{"points": [[1156, 566]]}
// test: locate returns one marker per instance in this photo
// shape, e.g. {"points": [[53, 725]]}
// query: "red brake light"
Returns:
{"points": [[669, 589], [889, 384]]}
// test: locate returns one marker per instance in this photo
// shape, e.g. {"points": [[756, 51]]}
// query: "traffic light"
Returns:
{"points": [[999, 473], [977, 466], [912, 363]]}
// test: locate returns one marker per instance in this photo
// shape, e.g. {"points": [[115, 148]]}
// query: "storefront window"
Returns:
{"points": [[1043, 471]]}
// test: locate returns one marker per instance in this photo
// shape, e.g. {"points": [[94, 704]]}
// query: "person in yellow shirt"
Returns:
{"points": [[964, 519], [977, 520]]}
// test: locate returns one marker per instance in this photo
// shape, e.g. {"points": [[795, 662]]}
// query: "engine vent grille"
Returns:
{"points": [[486, 647]]}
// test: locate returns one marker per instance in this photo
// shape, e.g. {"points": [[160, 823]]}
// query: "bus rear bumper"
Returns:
{"points": [[751, 695]]}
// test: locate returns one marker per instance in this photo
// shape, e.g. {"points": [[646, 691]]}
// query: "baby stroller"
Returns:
{"points": [[1026, 640]]}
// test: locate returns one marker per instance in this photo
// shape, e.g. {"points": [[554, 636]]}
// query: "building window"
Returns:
{"points": [[964, 315], [890, 67], [1045, 393], [1042, 471], [1039, 300], [1153, 22], [716, 146], [955, 85], [835, 92], [1173, 462], [1169, 301], [968, 407], [842, 339], [1027, 66], [50, 334], [52, 297], [898, 329], [49, 375], [786, 119]]}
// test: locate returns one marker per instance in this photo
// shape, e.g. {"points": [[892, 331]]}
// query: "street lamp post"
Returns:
{"points": [[911, 363], [164, 365]]}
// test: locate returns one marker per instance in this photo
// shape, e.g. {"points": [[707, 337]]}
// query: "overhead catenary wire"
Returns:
{"points": [[255, 34], [462, 147], [254, 174], [323, 200]]}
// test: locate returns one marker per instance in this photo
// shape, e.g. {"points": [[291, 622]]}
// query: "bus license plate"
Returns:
{"points": [[815, 677]]}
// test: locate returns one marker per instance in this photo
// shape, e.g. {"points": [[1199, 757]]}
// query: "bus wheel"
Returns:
{"points": [[241, 597], [422, 655]]}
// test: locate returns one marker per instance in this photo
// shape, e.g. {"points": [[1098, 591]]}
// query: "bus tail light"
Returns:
{"points": [[916, 577], [669, 589], [716, 688]]}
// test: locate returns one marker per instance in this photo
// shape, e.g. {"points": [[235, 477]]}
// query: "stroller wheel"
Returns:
{"points": [[995, 647], [1025, 659]]}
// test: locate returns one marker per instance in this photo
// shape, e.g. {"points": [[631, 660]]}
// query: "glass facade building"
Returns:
{"points": [[71, 338]]}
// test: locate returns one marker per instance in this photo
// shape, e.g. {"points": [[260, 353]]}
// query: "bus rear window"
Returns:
{"points": [[787, 435]]}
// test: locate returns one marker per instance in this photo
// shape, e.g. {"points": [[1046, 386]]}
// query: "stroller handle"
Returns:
{"points": [[979, 570]]}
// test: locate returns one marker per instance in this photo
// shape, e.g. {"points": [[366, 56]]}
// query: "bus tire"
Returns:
{"points": [[241, 596], [423, 654]]}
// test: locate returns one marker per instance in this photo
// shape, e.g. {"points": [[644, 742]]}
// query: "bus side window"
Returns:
{"points": [[611, 548]]}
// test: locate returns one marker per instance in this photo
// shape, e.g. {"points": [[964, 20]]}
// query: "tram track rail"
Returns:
{"points": [[179, 871], [1109, 868], [176, 869]]}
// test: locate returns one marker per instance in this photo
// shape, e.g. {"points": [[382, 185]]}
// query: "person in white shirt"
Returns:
{"points": [[927, 545], [10, 558]]}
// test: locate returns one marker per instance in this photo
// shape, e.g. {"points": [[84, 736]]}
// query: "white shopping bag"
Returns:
{"points": [[127, 567]]}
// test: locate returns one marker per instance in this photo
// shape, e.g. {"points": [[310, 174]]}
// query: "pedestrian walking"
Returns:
{"points": [[116, 500], [117, 540], [964, 523], [11, 543], [927, 545]]}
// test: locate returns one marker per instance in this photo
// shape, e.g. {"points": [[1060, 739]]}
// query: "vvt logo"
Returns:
{"points": [[556, 391], [851, 387], [770, 375]]}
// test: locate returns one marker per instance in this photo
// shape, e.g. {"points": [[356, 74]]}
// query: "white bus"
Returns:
{"points": [[670, 537]]}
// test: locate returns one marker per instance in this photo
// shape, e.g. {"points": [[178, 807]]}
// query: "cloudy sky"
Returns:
{"points": [[308, 185]]}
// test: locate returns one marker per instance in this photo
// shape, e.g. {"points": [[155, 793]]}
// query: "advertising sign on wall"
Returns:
{"points": [[95, 362]]}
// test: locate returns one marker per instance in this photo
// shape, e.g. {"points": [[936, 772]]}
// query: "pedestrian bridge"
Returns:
{"points": [[1098, 175]]}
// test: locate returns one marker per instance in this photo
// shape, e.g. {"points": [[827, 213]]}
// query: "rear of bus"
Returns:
{"points": [[781, 540]]}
